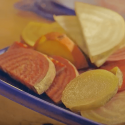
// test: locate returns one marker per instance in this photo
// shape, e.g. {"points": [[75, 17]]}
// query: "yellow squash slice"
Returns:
{"points": [[103, 31], [90, 90], [34, 30]]}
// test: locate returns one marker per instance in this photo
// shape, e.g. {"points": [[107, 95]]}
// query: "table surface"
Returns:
{"points": [[12, 22]]}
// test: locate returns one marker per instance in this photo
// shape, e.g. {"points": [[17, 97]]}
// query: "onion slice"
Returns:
{"points": [[112, 112], [103, 31], [72, 27]]}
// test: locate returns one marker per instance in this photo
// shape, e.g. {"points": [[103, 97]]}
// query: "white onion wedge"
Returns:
{"points": [[72, 27], [103, 31], [111, 113]]}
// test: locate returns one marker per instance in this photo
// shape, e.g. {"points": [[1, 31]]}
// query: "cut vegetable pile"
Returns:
{"points": [[78, 61]]}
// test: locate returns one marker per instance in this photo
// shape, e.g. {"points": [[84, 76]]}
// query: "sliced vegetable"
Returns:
{"points": [[121, 65], [59, 44], [103, 31], [116, 71], [31, 68], [113, 112], [17, 45], [58, 65], [90, 90], [72, 27], [118, 55], [61, 79], [34, 30]]}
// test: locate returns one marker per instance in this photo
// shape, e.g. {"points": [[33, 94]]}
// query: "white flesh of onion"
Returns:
{"points": [[103, 30], [111, 113], [72, 27]]}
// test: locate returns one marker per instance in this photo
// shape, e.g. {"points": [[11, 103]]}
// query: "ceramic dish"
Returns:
{"points": [[17, 92]]}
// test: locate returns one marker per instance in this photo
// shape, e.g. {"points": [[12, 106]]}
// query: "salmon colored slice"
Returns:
{"points": [[17, 45], [29, 67], [59, 44], [58, 65], [61, 79]]}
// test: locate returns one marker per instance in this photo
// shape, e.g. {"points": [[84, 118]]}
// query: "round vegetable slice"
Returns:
{"points": [[90, 90], [121, 65], [103, 31], [112, 112], [59, 44], [116, 71], [33, 31], [118, 55], [62, 79]]}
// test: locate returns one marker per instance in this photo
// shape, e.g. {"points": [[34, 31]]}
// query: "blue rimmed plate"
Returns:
{"points": [[17, 92]]}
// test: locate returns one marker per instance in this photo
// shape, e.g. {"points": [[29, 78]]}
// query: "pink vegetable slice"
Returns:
{"points": [[58, 65], [112, 112], [117, 56], [29, 67], [61, 79]]}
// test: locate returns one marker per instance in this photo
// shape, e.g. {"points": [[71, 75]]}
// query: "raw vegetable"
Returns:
{"points": [[72, 27], [59, 44], [34, 30], [18, 45], [116, 71], [118, 55], [103, 31], [61, 79], [121, 65], [58, 65], [90, 90], [31, 68], [112, 113]]}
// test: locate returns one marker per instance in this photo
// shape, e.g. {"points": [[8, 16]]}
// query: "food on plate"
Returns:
{"points": [[116, 71], [34, 30], [29, 67], [90, 89], [17, 45], [121, 65], [94, 30], [103, 31], [58, 65], [117, 59], [72, 27], [61, 52], [113, 112], [118, 55], [61, 79], [59, 44]]}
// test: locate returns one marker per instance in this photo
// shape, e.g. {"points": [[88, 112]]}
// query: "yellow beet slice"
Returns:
{"points": [[90, 90], [102, 29], [59, 44], [34, 30], [116, 71], [112, 113]]}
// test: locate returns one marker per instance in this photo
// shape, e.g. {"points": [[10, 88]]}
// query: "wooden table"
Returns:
{"points": [[12, 23]]}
